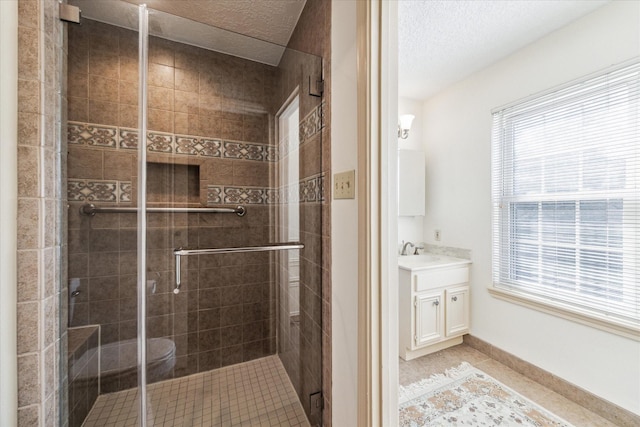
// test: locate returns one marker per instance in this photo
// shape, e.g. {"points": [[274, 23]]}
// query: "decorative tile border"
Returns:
{"points": [[307, 190], [312, 123], [224, 195], [81, 190], [96, 135], [167, 143], [194, 146], [312, 189], [125, 191], [128, 138], [310, 126], [160, 143], [238, 150], [214, 195]]}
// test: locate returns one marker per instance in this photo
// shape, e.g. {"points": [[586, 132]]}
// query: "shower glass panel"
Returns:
{"points": [[232, 124], [102, 129]]}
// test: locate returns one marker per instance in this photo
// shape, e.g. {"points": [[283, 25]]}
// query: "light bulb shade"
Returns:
{"points": [[405, 121]]}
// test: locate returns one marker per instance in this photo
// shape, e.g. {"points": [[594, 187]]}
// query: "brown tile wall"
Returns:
{"points": [[191, 91], [195, 92], [41, 281], [225, 312]]}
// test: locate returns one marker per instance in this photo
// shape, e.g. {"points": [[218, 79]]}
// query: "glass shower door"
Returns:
{"points": [[299, 178], [102, 127], [232, 301]]}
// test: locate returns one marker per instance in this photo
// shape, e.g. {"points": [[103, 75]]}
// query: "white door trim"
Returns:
{"points": [[377, 213]]}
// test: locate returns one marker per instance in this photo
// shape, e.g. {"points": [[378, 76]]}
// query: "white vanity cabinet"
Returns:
{"points": [[434, 306]]}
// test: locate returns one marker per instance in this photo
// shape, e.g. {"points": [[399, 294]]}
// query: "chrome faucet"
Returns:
{"points": [[404, 247], [415, 252]]}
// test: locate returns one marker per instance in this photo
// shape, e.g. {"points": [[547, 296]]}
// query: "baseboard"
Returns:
{"points": [[596, 404]]}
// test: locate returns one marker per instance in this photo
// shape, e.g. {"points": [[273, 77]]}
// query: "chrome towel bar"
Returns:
{"points": [[91, 209], [268, 247]]}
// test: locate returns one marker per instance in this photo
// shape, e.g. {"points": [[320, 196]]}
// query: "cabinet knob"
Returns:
{"points": [[454, 298], [436, 302]]}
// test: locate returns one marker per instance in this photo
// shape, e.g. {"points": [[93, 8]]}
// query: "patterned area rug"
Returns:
{"points": [[466, 396]]}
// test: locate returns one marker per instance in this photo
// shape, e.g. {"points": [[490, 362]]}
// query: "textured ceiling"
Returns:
{"points": [[252, 29], [442, 42], [269, 20]]}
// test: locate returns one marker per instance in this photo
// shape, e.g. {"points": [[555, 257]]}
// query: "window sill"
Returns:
{"points": [[604, 323]]}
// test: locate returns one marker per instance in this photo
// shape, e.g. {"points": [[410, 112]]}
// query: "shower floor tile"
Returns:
{"points": [[256, 393]]}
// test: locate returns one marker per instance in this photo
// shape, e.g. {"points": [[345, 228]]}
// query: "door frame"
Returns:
{"points": [[377, 59], [283, 235]]}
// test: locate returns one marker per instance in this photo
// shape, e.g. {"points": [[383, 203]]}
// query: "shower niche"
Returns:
{"points": [[173, 184]]}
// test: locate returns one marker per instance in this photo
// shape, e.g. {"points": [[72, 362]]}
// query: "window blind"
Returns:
{"points": [[566, 207]]}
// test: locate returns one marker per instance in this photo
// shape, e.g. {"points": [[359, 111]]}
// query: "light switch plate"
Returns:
{"points": [[344, 185]]}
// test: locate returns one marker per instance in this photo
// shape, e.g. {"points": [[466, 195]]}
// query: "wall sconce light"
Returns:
{"points": [[405, 125]]}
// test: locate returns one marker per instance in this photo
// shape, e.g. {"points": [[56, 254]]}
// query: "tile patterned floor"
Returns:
{"points": [[438, 362], [256, 393]]}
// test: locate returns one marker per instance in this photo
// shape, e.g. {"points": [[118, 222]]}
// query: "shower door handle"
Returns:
{"points": [[176, 290], [178, 253]]}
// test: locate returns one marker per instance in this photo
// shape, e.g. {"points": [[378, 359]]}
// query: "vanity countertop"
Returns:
{"points": [[429, 261]]}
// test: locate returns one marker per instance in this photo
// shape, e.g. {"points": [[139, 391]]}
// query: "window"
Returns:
{"points": [[566, 178]]}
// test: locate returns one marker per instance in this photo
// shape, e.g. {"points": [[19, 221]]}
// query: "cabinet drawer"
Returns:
{"points": [[440, 278]]}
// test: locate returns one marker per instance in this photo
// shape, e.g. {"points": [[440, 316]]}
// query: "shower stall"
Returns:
{"points": [[195, 188]]}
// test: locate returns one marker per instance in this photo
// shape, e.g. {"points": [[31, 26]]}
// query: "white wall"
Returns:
{"points": [[344, 216], [410, 228], [8, 211], [457, 127]]}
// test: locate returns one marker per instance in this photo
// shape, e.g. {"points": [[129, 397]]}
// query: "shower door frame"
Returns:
{"points": [[143, 67]]}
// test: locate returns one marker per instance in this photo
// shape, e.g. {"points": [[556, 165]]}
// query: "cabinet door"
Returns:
{"points": [[428, 318], [457, 310]]}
